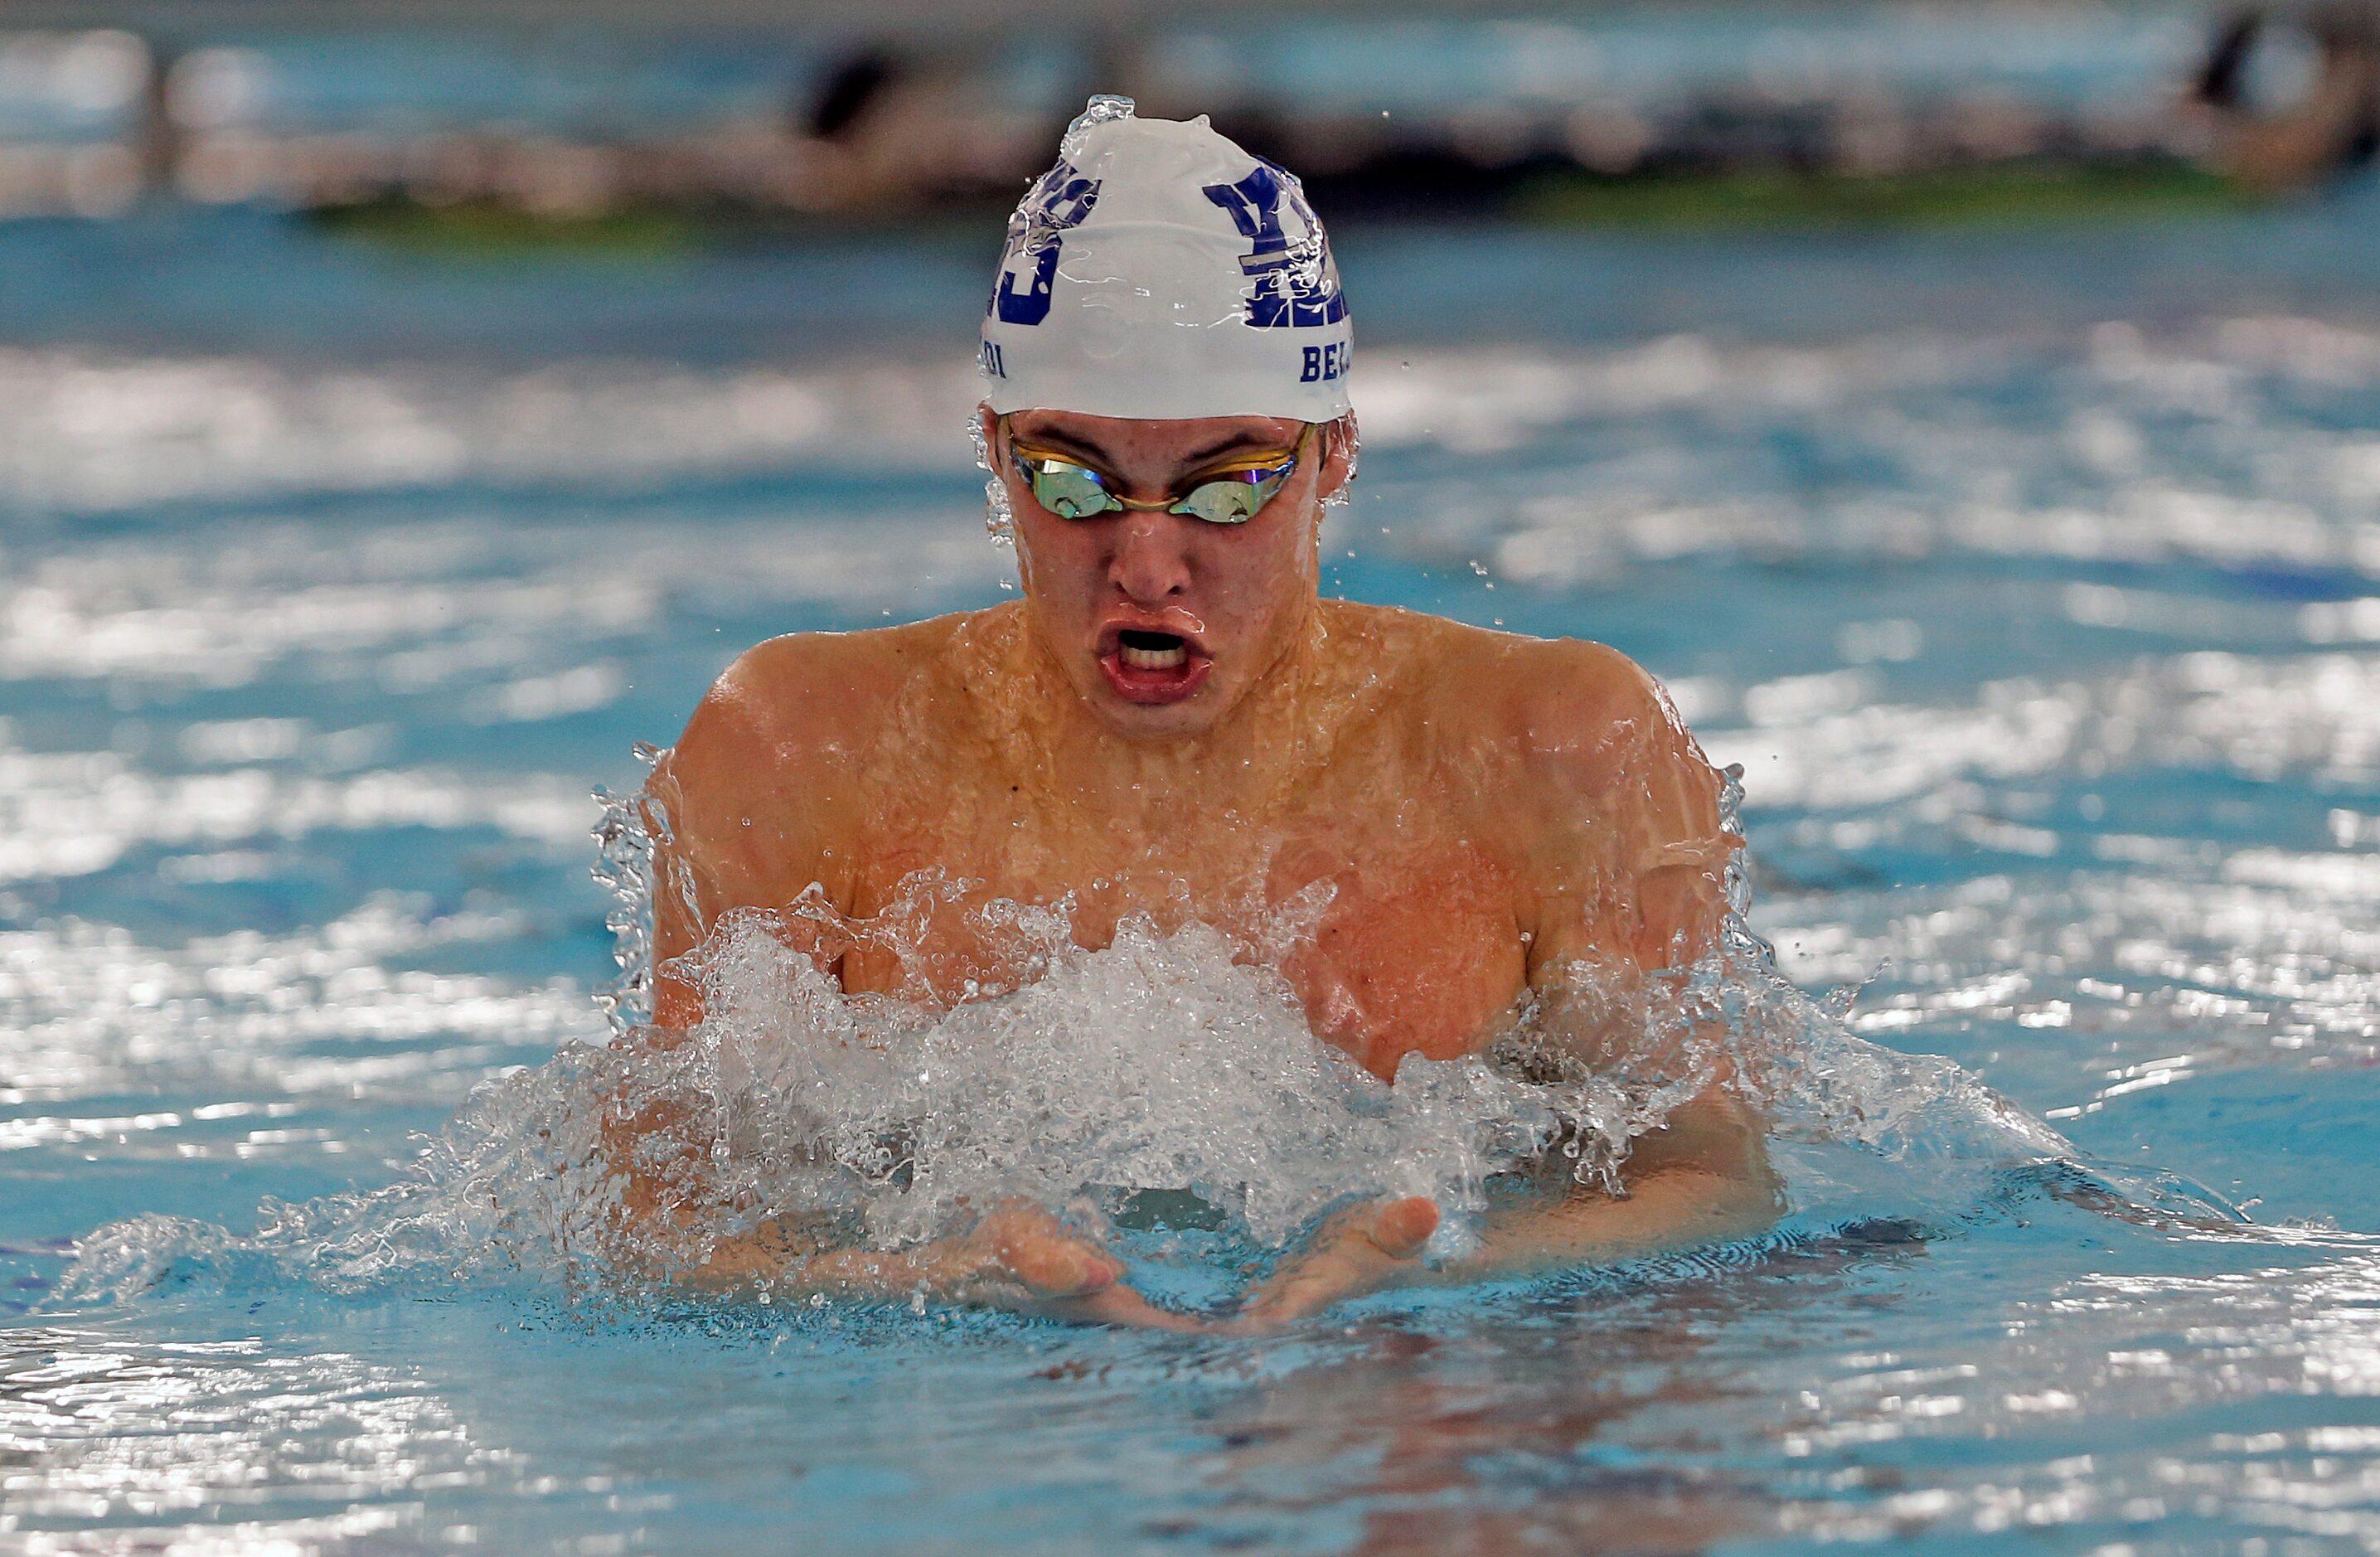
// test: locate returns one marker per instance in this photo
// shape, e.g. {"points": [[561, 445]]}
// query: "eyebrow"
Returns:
{"points": [[1064, 442]]}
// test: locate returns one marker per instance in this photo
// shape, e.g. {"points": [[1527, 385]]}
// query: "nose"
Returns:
{"points": [[1151, 562]]}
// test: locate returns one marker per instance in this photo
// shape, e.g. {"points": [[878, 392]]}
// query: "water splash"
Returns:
{"points": [[1344, 494], [624, 868], [999, 513], [1172, 1060], [1103, 108]]}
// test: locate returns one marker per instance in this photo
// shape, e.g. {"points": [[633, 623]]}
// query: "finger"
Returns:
{"points": [[1316, 1281], [870, 1276], [1029, 1254], [1401, 1228], [1282, 1302], [1360, 1252], [1058, 1266], [1032, 1247], [1395, 1230], [1120, 1305]]}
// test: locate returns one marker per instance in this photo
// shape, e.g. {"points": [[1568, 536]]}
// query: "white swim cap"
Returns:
{"points": [[1159, 271]]}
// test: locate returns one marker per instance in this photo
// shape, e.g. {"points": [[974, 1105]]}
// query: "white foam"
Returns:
{"points": [[1163, 1061]]}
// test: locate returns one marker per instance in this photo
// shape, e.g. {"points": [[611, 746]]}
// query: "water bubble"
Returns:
{"points": [[1104, 108], [624, 862], [999, 514]]}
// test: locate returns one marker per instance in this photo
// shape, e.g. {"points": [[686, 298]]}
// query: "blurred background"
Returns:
{"points": [[676, 123], [1971, 410]]}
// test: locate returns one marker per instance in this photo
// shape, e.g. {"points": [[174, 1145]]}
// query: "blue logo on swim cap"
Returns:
{"points": [[1059, 200], [1296, 282]]}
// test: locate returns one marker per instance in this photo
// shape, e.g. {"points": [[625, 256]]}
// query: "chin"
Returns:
{"points": [[1158, 722], [1143, 718]]}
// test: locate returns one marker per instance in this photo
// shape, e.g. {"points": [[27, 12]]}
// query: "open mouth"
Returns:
{"points": [[1151, 665], [1152, 651]]}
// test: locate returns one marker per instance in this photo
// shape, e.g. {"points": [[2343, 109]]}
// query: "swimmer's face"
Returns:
{"points": [[1163, 622]]}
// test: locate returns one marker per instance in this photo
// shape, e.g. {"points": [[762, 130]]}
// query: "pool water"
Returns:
{"points": [[2034, 578]]}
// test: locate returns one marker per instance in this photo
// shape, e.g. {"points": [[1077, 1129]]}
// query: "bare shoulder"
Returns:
{"points": [[1572, 759], [768, 765], [1573, 697], [1552, 697], [1590, 724], [795, 703]]}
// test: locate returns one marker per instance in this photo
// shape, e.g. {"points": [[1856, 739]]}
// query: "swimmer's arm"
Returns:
{"points": [[749, 803], [1626, 853], [746, 809], [1704, 1178], [1019, 1258], [721, 835], [1639, 890]]}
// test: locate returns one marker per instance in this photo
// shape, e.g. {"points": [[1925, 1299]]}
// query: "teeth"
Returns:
{"points": [[1154, 659]]}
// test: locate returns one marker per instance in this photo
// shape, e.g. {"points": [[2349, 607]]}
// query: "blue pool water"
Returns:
{"points": [[2034, 578]]}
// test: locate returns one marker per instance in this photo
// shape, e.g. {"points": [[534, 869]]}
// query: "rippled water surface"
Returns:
{"points": [[2034, 580]]}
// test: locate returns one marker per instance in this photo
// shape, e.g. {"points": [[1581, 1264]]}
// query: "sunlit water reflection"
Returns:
{"points": [[2044, 627]]}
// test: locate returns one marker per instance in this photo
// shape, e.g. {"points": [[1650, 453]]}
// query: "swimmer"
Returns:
{"points": [[1170, 722]]}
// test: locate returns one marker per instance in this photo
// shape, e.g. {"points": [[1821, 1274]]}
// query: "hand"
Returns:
{"points": [[1019, 1257], [1362, 1249], [1063, 1275]]}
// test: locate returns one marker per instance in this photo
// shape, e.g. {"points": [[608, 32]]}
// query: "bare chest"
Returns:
{"points": [[1399, 932]]}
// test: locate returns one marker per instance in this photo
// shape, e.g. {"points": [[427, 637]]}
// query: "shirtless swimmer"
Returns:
{"points": [[1172, 722]]}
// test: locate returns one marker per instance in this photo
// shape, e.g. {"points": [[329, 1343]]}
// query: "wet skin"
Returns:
{"points": [[1420, 823]]}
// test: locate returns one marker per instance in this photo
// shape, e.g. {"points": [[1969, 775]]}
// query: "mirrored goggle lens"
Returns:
{"points": [[1234, 499], [1068, 491]]}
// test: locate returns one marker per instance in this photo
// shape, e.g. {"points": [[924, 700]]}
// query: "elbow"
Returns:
{"points": [[1704, 1206], [1753, 1199], [1746, 1195], [1747, 1190], [1727, 1189]]}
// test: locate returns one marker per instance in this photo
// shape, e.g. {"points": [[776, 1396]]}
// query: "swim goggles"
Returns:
{"points": [[1230, 494]]}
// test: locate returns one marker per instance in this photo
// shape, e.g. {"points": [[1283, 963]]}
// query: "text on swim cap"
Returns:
{"points": [[1324, 364], [1059, 200], [1296, 284]]}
